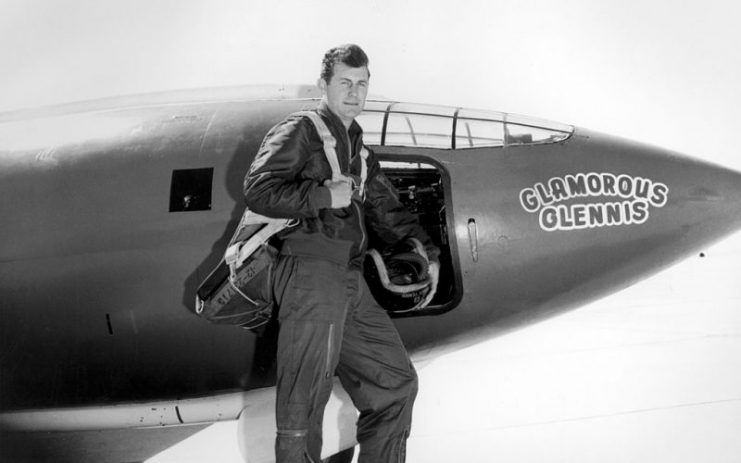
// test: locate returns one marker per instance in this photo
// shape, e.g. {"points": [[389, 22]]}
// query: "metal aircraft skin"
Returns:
{"points": [[114, 211]]}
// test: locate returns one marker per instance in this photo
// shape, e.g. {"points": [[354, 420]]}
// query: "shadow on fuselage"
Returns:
{"points": [[262, 360]]}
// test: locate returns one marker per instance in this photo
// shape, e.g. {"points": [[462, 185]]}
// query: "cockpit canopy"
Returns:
{"points": [[417, 125]]}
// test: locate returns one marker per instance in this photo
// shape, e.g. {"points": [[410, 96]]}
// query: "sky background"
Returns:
{"points": [[661, 71], [622, 380]]}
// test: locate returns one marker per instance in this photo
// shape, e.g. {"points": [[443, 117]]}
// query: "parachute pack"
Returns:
{"points": [[239, 290]]}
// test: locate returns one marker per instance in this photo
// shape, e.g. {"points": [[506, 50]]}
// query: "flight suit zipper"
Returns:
{"points": [[358, 207], [330, 349], [362, 227], [401, 449]]}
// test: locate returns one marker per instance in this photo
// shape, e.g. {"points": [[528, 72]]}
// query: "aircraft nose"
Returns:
{"points": [[613, 211], [706, 198]]}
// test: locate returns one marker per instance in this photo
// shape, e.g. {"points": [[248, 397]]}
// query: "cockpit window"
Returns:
{"points": [[523, 130], [405, 129], [397, 124], [475, 133]]}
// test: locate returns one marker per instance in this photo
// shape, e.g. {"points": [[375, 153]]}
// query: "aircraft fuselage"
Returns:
{"points": [[112, 217]]}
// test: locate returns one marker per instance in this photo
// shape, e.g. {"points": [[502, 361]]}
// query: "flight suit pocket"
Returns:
{"points": [[316, 291]]}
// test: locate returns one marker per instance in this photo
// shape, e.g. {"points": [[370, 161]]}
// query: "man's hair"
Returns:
{"points": [[349, 55]]}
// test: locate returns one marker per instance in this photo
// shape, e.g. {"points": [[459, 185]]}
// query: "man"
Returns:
{"points": [[329, 321]]}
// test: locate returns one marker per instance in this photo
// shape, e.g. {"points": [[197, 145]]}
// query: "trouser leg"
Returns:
{"points": [[311, 296], [375, 370]]}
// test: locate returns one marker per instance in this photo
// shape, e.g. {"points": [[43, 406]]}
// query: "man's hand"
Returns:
{"points": [[341, 191], [434, 271]]}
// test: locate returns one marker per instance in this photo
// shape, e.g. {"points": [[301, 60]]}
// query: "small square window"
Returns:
{"points": [[191, 190]]}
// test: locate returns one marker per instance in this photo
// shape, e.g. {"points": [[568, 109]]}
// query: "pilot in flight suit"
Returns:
{"points": [[329, 321]]}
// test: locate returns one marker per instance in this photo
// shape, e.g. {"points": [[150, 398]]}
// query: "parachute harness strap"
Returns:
{"points": [[330, 151]]}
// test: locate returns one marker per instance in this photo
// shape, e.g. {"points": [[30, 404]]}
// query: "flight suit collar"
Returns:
{"points": [[354, 130]]}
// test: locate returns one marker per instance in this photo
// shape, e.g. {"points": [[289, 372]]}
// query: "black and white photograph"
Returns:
{"points": [[370, 231]]}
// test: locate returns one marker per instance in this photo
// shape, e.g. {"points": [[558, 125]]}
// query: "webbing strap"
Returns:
{"points": [[329, 141], [329, 150], [363, 170]]}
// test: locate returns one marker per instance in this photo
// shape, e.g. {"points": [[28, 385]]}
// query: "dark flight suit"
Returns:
{"points": [[329, 321]]}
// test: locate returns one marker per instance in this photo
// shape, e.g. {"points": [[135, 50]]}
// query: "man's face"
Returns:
{"points": [[346, 91]]}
